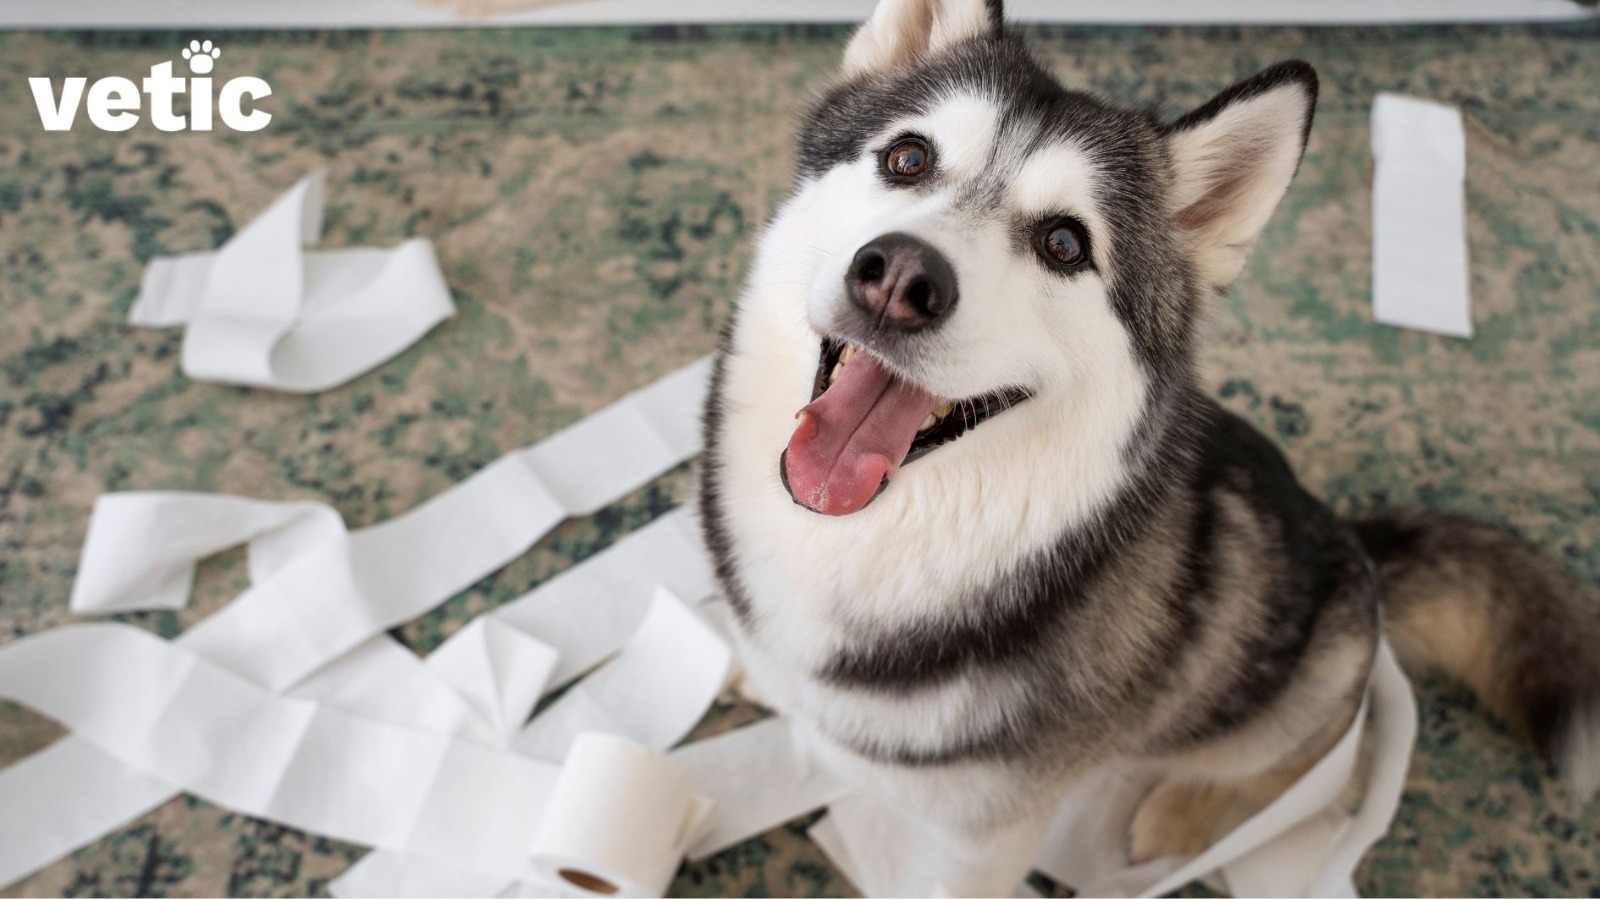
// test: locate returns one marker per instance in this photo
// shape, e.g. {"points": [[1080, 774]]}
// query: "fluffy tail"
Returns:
{"points": [[1473, 602]]}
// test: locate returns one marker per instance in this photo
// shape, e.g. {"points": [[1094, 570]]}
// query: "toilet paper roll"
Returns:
{"points": [[618, 820]]}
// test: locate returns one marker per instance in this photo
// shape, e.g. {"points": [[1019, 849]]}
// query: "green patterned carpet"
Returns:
{"points": [[592, 194]]}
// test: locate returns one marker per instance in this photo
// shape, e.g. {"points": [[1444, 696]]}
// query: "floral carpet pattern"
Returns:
{"points": [[592, 194]]}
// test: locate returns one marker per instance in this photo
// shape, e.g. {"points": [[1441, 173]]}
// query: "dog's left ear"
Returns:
{"points": [[904, 32], [1233, 159]]}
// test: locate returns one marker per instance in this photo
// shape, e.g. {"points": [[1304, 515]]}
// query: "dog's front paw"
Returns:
{"points": [[1176, 819]]}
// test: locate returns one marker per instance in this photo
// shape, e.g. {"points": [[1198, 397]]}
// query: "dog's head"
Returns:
{"points": [[968, 236]]}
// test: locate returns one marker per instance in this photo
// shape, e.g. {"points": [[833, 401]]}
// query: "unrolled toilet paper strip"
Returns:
{"points": [[142, 547], [66, 795], [498, 670], [1419, 237], [882, 852], [313, 609], [653, 692], [397, 875], [345, 589], [758, 777], [589, 609], [1393, 726], [264, 311], [171, 713], [385, 681], [618, 819], [496, 661]]}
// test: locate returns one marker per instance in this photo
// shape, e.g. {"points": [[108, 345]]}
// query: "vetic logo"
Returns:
{"points": [[113, 103]]}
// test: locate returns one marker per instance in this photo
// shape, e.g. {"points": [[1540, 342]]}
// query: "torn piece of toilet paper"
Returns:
{"points": [[1337, 839], [329, 604], [1419, 237], [264, 311]]}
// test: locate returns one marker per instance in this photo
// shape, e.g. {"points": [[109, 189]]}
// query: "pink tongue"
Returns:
{"points": [[853, 436]]}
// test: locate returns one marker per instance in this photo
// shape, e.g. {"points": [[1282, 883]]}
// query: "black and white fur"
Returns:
{"points": [[1116, 569]]}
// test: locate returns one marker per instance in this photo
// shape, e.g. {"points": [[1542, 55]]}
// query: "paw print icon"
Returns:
{"points": [[202, 56]]}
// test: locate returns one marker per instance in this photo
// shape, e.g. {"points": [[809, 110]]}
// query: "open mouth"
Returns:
{"points": [[863, 423]]}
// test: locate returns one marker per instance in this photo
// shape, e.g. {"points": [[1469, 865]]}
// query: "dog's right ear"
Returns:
{"points": [[904, 32], [1233, 159]]}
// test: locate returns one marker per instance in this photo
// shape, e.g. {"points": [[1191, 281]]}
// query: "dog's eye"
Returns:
{"points": [[907, 159], [1063, 242]]}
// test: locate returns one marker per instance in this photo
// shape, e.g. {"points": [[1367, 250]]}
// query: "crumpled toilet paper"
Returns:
{"points": [[264, 311], [171, 713], [292, 704], [317, 623]]}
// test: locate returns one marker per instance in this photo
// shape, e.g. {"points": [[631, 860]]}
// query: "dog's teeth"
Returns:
{"points": [[928, 422], [847, 353], [943, 409], [834, 375]]}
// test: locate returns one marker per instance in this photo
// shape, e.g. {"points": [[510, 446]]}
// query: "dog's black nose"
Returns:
{"points": [[902, 282]]}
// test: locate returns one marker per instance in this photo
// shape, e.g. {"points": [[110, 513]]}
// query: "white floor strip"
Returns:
{"points": [[479, 13]]}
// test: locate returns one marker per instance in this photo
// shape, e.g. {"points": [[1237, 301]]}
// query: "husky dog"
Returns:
{"points": [[981, 530]]}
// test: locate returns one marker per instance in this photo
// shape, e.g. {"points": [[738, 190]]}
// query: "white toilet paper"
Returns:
{"points": [[265, 312], [142, 546], [657, 687], [653, 692], [618, 819], [168, 712], [616, 814], [589, 609], [320, 599], [498, 670], [758, 777], [1419, 233]]}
